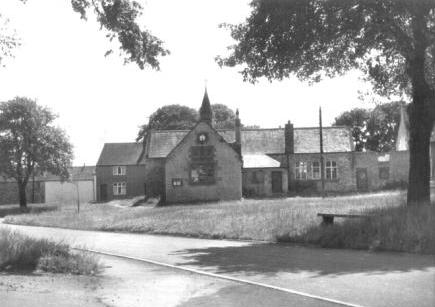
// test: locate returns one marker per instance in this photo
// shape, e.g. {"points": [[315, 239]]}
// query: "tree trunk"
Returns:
{"points": [[419, 162], [421, 115], [22, 195]]}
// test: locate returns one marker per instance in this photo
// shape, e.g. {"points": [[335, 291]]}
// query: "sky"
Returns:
{"points": [[98, 99]]}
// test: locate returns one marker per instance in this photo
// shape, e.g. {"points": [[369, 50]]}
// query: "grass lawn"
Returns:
{"points": [[247, 219]]}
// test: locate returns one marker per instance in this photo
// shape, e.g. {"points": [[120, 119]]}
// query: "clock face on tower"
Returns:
{"points": [[202, 138]]}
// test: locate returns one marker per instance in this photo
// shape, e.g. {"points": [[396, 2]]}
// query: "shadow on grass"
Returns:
{"points": [[270, 259], [31, 208]]}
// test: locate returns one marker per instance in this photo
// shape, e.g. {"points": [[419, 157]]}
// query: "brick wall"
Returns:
{"points": [[9, 192], [135, 179], [397, 163], [228, 175]]}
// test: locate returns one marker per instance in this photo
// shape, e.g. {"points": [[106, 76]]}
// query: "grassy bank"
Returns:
{"points": [[247, 219], [407, 229], [22, 253]]}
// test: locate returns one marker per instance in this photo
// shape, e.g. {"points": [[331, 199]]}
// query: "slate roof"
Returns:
{"points": [[161, 143], [262, 141], [259, 161], [121, 154]]}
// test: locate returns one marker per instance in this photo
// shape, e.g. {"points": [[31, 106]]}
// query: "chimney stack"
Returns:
{"points": [[237, 127], [289, 138]]}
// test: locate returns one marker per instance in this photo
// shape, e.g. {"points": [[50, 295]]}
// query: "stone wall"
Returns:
{"points": [[66, 192], [228, 175], [345, 181], [154, 177], [260, 183], [396, 162]]}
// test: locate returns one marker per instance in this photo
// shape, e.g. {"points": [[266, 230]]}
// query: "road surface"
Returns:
{"points": [[356, 277]]}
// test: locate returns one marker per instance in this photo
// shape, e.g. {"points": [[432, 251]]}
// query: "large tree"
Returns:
{"points": [[178, 117], [373, 129], [391, 41], [30, 142], [119, 19]]}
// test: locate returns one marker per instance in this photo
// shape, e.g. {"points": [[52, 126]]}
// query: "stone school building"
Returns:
{"points": [[208, 164]]}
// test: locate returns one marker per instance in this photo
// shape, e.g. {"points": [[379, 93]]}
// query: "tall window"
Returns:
{"points": [[315, 170], [119, 188], [202, 168], [301, 170], [119, 170], [331, 170]]}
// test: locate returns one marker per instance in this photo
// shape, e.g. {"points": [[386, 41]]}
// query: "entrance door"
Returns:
{"points": [[276, 182], [103, 192], [362, 181]]}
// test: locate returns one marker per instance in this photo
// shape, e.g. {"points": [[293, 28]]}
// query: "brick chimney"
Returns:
{"points": [[289, 138]]}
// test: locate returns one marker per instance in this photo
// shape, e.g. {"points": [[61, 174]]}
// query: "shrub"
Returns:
{"points": [[19, 252], [80, 264]]}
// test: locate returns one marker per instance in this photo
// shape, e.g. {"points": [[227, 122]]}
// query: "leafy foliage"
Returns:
{"points": [[392, 41], [30, 143], [119, 18], [224, 117], [373, 129], [178, 117], [8, 39], [315, 38]]}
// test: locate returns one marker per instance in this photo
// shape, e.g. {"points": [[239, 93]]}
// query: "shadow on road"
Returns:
{"points": [[270, 259]]}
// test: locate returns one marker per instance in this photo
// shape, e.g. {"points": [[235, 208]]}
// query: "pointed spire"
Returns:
{"points": [[205, 112]]}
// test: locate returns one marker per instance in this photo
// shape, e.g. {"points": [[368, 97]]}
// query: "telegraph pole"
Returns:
{"points": [[322, 162]]}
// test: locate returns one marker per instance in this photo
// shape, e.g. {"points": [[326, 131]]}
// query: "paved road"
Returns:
{"points": [[363, 278]]}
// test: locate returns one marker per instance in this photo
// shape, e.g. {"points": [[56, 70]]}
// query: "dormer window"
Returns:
{"points": [[119, 170]]}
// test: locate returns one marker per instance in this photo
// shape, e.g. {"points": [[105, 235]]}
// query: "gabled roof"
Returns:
{"points": [[162, 142], [121, 154], [192, 131], [262, 141]]}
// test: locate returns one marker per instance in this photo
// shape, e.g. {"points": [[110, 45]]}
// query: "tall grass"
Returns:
{"points": [[247, 219], [408, 229], [22, 253]]}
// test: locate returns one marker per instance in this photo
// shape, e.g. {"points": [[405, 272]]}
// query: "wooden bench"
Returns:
{"points": [[328, 218]]}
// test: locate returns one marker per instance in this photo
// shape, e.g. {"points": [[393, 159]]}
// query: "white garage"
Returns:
{"points": [[81, 185]]}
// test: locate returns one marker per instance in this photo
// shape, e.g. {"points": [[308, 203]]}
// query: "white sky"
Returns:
{"points": [[61, 64]]}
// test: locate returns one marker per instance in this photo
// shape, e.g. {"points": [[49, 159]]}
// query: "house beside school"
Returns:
{"points": [[208, 164]]}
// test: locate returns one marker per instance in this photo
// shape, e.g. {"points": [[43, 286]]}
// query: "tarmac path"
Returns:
{"points": [[355, 277]]}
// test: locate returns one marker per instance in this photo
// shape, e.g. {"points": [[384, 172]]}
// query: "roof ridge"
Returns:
{"points": [[122, 143], [171, 130]]}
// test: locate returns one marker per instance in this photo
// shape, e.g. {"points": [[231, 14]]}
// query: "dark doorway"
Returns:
{"points": [[103, 192], [362, 181], [276, 182]]}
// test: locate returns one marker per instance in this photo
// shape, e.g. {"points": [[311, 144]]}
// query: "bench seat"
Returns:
{"points": [[328, 218]]}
